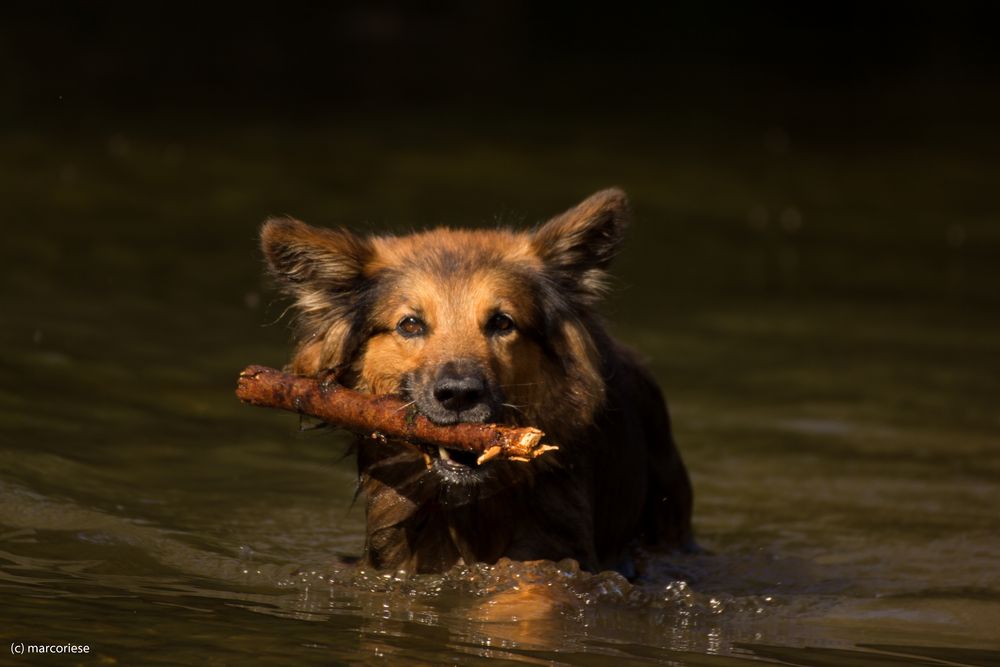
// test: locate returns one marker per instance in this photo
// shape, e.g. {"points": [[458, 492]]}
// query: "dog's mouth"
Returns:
{"points": [[455, 458], [454, 395], [454, 466]]}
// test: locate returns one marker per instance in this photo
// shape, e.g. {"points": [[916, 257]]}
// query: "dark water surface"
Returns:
{"points": [[823, 318]]}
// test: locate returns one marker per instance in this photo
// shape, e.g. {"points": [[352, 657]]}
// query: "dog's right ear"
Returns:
{"points": [[305, 259], [323, 269]]}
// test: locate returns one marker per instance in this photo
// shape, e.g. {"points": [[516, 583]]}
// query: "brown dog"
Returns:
{"points": [[492, 326]]}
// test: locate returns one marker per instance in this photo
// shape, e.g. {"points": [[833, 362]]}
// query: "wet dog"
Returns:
{"points": [[491, 326]]}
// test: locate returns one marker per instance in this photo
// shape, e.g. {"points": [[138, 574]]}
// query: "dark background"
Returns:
{"points": [[829, 63]]}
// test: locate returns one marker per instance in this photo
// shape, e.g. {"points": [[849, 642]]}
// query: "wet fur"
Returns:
{"points": [[617, 480]]}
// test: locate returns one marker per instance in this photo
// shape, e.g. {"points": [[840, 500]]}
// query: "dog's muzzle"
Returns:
{"points": [[457, 391]]}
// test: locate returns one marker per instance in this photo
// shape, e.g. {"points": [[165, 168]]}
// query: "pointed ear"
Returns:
{"points": [[304, 258], [323, 270], [578, 245]]}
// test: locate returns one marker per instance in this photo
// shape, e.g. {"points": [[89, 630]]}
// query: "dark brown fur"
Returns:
{"points": [[617, 480]]}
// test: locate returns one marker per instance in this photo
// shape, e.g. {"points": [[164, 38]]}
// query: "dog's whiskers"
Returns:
{"points": [[404, 406]]}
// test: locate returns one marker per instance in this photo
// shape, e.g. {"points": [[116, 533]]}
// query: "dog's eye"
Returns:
{"points": [[500, 324], [410, 326]]}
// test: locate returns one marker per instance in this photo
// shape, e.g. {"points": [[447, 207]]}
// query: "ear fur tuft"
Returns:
{"points": [[577, 246], [298, 253], [323, 270]]}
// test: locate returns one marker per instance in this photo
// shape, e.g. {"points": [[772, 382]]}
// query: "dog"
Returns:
{"points": [[491, 326]]}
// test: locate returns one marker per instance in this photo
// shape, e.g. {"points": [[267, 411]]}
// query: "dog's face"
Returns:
{"points": [[455, 329], [469, 326]]}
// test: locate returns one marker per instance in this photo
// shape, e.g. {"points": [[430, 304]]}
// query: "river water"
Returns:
{"points": [[823, 318]]}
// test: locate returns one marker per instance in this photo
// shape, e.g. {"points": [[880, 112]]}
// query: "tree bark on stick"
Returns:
{"points": [[383, 416]]}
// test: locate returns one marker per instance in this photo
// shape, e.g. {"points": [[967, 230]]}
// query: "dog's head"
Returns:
{"points": [[471, 326]]}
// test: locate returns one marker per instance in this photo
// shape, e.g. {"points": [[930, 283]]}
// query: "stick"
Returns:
{"points": [[382, 417]]}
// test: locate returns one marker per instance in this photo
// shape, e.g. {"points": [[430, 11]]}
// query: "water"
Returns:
{"points": [[822, 319]]}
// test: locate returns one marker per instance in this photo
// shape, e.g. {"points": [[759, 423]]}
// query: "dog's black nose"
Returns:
{"points": [[460, 392]]}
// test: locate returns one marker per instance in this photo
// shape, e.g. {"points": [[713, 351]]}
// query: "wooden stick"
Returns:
{"points": [[382, 417]]}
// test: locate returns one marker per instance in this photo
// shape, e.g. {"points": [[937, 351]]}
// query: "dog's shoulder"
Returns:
{"points": [[640, 481]]}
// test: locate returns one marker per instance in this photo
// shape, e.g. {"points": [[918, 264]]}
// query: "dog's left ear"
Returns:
{"points": [[578, 245]]}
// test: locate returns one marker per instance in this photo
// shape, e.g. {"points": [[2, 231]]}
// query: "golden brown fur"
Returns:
{"points": [[492, 325]]}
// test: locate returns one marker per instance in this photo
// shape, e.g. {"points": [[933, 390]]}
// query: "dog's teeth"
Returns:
{"points": [[443, 453], [488, 454]]}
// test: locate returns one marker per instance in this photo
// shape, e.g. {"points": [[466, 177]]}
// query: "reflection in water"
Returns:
{"points": [[513, 609]]}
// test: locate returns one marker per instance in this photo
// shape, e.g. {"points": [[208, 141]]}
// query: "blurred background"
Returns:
{"points": [[812, 274], [296, 62]]}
